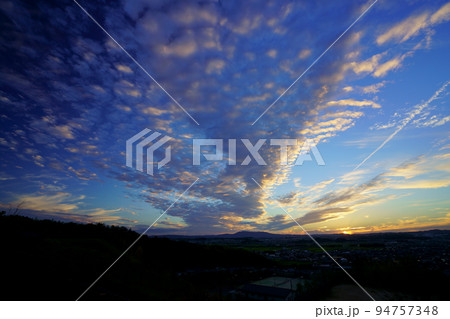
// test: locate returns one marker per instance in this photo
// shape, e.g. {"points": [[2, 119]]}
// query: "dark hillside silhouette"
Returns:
{"points": [[48, 260]]}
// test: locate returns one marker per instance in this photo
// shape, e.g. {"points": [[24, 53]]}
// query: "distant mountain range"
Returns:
{"points": [[252, 234], [262, 234], [241, 234]]}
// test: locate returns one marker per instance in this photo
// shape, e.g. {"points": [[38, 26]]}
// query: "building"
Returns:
{"points": [[272, 288]]}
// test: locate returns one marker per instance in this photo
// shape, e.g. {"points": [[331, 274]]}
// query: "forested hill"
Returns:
{"points": [[49, 260]]}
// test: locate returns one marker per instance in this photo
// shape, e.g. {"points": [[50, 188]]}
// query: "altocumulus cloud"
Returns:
{"points": [[73, 97]]}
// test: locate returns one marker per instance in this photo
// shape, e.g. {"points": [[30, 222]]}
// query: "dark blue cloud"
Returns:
{"points": [[71, 97]]}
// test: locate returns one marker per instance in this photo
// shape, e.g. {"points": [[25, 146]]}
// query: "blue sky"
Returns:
{"points": [[376, 104]]}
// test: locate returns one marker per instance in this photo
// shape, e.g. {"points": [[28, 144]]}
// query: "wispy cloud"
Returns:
{"points": [[411, 26], [415, 111]]}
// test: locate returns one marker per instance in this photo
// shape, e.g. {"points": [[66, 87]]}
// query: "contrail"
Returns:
{"points": [[417, 110]]}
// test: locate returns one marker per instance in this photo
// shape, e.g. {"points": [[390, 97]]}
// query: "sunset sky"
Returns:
{"points": [[376, 103]]}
